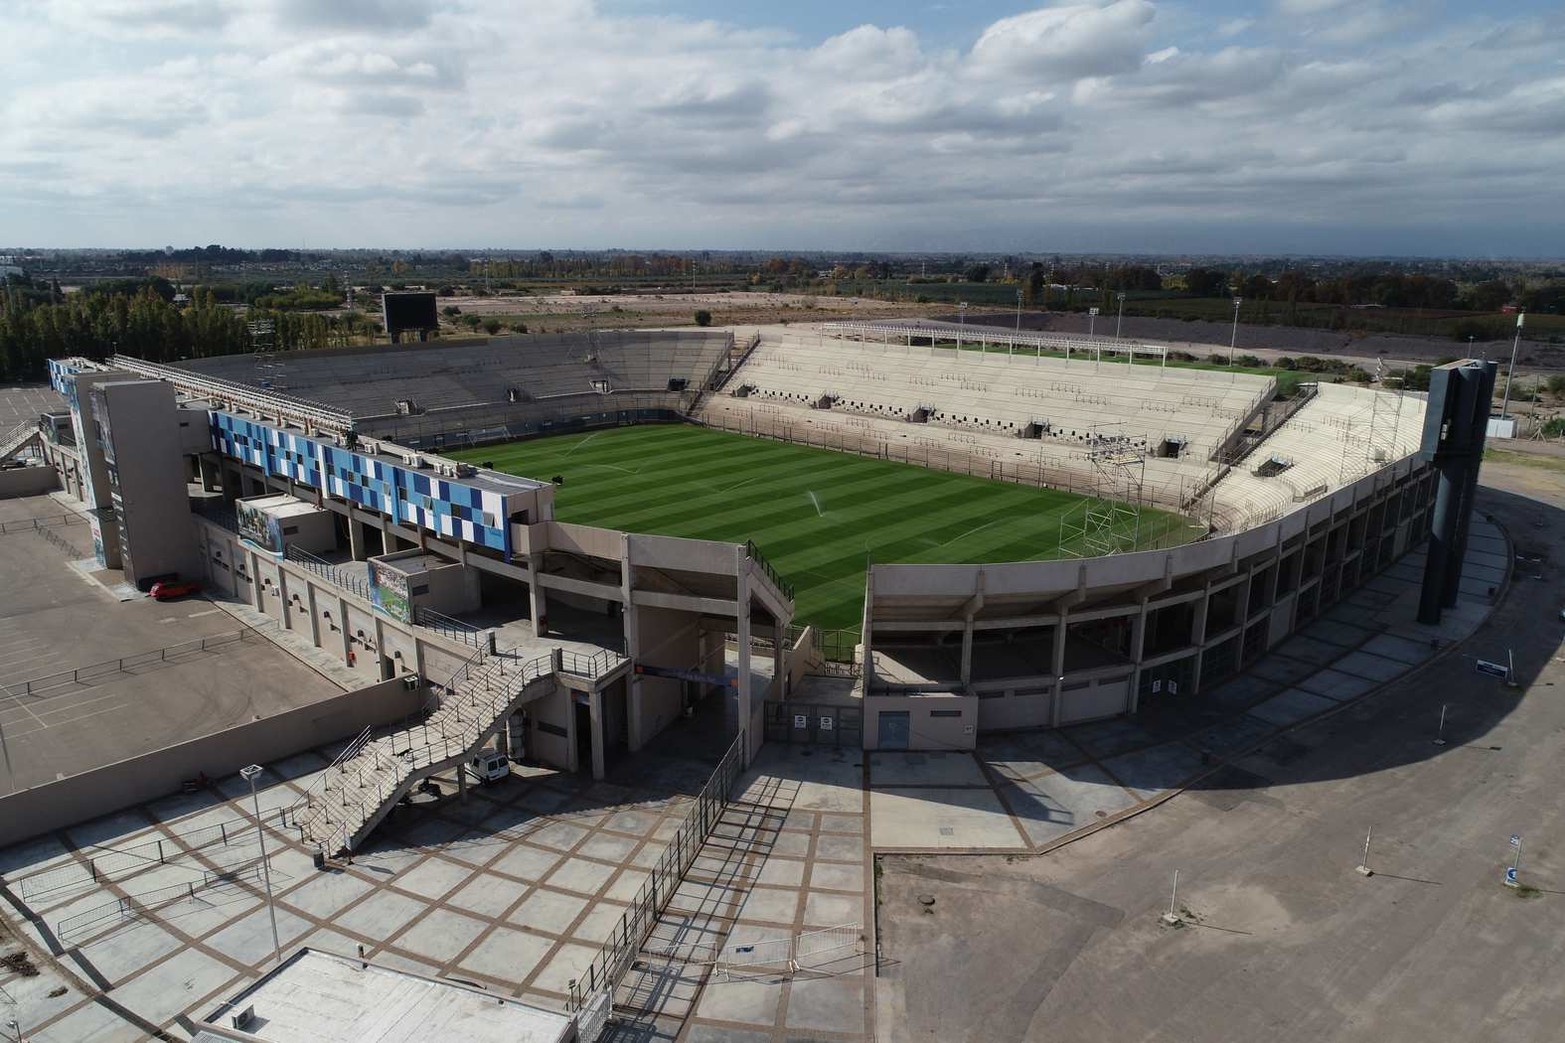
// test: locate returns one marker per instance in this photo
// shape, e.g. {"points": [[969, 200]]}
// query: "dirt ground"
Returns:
{"points": [[558, 312]]}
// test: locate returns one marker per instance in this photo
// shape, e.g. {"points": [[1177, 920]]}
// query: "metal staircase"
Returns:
{"points": [[351, 797], [14, 441]]}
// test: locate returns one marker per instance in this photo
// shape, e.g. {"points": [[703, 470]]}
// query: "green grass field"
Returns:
{"points": [[818, 515]]}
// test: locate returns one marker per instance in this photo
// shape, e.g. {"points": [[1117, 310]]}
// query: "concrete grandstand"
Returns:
{"points": [[1302, 499]]}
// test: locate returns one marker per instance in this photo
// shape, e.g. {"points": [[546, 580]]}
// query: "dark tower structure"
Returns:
{"points": [[1454, 430]]}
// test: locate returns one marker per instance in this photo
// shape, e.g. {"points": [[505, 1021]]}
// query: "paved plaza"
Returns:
{"points": [[140, 919]]}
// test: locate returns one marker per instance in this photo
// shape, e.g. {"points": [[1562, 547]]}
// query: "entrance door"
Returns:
{"points": [[894, 730]]}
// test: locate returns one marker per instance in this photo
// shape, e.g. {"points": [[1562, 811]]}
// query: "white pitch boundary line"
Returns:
{"points": [[45, 727]]}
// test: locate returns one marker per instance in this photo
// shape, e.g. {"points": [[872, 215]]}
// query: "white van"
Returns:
{"points": [[488, 766]]}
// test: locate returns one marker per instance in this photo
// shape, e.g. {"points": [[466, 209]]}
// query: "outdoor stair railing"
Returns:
{"points": [[351, 797]]}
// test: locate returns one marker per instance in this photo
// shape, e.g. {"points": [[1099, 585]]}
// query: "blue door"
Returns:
{"points": [[893, 734]]}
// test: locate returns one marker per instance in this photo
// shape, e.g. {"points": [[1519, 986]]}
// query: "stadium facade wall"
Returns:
{"points": [[78, 798], [1056, 642]]}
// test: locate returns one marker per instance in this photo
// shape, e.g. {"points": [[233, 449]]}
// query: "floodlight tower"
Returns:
{"points": [[961, 322], [1018, 310], [1505, 402], [1121, 298], [1234, 339]]}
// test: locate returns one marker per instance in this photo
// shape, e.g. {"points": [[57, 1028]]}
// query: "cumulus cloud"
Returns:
{"points": [[1068, 42], [573, 123]]}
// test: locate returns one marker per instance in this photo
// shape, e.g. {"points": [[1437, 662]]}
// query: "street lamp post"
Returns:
{"points": [[1509, 373], [961, 322], [1234, 339], [249, 774], [1121, 298]]}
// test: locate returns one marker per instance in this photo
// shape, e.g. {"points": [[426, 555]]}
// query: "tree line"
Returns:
{"points": [[38, 323]]}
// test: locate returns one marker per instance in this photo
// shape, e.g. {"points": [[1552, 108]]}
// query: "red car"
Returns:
{"points": [[169, 589]]}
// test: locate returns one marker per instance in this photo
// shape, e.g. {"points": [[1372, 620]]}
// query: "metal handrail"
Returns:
{"points": [[285, 405], [754, 553]]}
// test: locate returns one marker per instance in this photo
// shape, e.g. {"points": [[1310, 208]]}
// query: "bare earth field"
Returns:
{"points": [[558, 312]]}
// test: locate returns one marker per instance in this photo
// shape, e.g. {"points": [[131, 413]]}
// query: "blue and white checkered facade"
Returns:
{"points": [[447, 506]]}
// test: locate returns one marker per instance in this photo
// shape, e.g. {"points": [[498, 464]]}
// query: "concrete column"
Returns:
{"points": [[285, 611], [210, 482], [255, 583], [595, 709], [630, 625], [780, 658], [1138, 638], [967, 653], [342, 628], [1058, 707], [355, 537], [1198, 618], [537, 600], [745, 693], [315, 618], [381, 669]]}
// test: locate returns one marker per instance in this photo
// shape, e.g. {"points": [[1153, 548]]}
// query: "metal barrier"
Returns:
{"points": [[65, 546], [92, 671], [614, 959], [147, 901], [34, 524], [340, 576], [791, 953], [452, 628], [104, 862], [755, 555]]}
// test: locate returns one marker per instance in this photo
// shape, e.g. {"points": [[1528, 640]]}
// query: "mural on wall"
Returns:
{"points": [[259, 529], [389, 592]]}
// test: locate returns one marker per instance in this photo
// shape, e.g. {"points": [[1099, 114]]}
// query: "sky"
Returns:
{"points": [[1414, 127]]}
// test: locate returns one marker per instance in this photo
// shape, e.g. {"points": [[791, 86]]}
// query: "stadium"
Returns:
{"points": [[866, 536], [1017, 528]]}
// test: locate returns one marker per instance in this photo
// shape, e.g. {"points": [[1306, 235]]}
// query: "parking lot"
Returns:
{"points": [[56, 618]]}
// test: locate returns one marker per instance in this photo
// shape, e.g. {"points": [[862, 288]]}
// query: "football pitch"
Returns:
{"points": [[819, 516]]}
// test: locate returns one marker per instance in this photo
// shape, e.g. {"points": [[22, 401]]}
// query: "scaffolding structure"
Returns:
{"points": [[1370, 440], [1110, 521]]}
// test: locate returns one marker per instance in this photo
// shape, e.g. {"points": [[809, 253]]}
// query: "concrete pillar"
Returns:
{"points": [[967, 652], [355, 537], [285, 610], [595, 710], [780, 658], [210, 482], [255, 583], [537, 600], [1058, 708], [383, 670], [342, 628], [315, 617], [1138, 638], [745, 693], [630, 625]]}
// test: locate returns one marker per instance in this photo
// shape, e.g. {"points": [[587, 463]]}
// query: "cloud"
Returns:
{"points": [[1069, 42], [575, 123]]}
